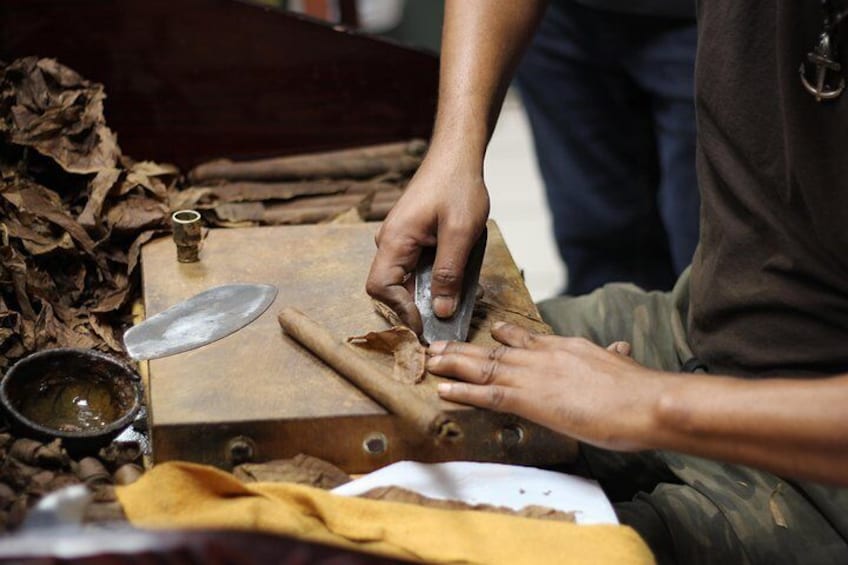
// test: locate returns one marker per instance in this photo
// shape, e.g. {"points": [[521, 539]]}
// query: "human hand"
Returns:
{"points": [[445, 205], [569, 385]]}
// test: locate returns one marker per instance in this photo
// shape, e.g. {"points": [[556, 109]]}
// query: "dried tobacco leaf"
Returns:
{"points": [[301, 469], [387, 313], [398, 494], [69, 246], [352, 216], [14, 271], [155, 178], [18, 474], [92, 472], [410, 357], [58, 113], [136, 213], [36, 238], [127, 474], [7, 496], [46, 205], [98, 190], [121, 453], [33, 452]]}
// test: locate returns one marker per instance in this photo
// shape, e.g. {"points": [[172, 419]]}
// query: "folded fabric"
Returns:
{"points": [[185, 495]]}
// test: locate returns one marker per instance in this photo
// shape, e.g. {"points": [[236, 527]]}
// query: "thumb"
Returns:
{"points": [[452, 253], [620, 347]]}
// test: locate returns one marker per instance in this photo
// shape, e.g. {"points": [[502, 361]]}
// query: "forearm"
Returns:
{"points": [[792, 427], [482, 42]]}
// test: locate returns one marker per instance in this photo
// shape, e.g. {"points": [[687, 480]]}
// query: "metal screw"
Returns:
{"points": [[375, 443], [511, 436], [187, 235], [241, 449]]}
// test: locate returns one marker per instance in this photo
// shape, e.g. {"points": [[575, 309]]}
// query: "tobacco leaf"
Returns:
{"points": [[36, 238], [136, 213], [241, 212], [127, 474], [109, 300], [121, 453], [296, 211], [48, 331], [189, 198], [409, 355], [301, 469], [387, 313], [106, 330], [398, 494], [212, 195], [10, 324], [151, 177], [352, 216], [135, 248], [99, 188], [55, 111], [357, 163], [32, 452], [45, 204], [7, 496], [14, 270]]}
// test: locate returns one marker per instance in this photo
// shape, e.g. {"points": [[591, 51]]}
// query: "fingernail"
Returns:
{"points": [[444, 306], [433, 362], [437, 347], [444, 388], [498, 325]]}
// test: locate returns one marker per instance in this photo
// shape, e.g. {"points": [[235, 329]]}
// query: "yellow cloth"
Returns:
{"points": [[184, 495]]}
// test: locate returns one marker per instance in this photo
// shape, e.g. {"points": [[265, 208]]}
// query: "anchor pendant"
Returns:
{"points": [[820, 59]]}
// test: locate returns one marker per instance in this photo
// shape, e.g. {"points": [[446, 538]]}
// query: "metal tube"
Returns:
{"points": [[187, 235]]}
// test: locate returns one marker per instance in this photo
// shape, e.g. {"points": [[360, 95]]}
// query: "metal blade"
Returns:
{"points": [[456, 327], [199, 320]]}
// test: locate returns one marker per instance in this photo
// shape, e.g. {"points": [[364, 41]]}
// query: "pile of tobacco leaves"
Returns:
{"points": [[74, 212]]}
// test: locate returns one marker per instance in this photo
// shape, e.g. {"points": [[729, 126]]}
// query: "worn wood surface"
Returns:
{"points": [[260, 383], [399, 398]]}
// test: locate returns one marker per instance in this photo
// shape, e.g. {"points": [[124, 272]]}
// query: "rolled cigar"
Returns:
{"points": [[372, 379], [357, 163], [263, 191]]}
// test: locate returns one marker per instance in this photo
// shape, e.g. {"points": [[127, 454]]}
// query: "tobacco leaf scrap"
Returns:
{"points": [[409, 355], [387, 313], [301, 469], [398, 494]]}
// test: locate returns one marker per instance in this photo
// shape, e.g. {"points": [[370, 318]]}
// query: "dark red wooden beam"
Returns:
{"points": [[190, 80]]}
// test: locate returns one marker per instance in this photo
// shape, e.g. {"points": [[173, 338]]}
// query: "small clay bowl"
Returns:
{"points": [[83, 396]]}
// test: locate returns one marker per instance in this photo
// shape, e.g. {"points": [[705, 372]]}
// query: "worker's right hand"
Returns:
{"points": [[445, 205]]}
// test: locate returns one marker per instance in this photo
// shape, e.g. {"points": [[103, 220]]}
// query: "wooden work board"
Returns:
{"points": [[257, 395]]}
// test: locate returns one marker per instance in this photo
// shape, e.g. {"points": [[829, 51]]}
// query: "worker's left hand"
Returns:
{"points": [[600, 396]]}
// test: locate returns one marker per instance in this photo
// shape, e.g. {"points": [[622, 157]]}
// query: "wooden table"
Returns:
{"points": [[258, 395]]}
